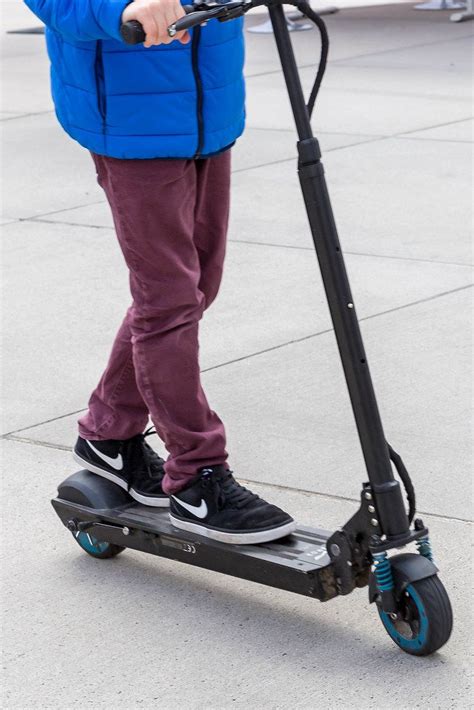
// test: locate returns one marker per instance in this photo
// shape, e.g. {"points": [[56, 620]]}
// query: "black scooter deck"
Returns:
{"points": [[298, 563]]}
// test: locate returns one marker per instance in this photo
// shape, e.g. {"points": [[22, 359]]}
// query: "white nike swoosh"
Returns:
{"points": [[116, 463], [200, 511]]}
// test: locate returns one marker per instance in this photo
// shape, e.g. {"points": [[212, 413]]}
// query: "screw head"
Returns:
{"points": [[374, 522], [335, 550], [126, 531], [368, 495], [350, 305], [371, 509]]}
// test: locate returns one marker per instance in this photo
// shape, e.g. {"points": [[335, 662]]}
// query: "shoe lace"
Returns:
{"points": [[232, 493], [144, 461]]}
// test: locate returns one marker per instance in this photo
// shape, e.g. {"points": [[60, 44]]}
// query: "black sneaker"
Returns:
{"points": [[131, 464], [216, 506]]}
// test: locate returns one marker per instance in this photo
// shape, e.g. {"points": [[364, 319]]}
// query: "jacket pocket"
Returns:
{"points": [[100, 82]]}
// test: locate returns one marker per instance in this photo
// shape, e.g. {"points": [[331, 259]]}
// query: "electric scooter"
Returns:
{"points": [[410, 598]]}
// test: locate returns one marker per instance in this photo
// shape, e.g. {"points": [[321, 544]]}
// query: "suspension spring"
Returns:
{"points": [[383, 572], [424, 548]]}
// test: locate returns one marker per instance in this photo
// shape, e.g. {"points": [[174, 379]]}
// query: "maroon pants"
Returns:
{"points": [[171, 221]]}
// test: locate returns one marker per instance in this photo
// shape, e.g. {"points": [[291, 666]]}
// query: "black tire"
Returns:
{"points": [[96, 548], [425, 618]]}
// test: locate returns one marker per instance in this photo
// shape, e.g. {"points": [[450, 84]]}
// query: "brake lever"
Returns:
{"points": [[194, 18], [221, 12]]}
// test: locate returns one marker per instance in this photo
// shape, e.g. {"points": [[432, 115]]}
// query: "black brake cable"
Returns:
{"points": [[307, 10], [406, 480]]}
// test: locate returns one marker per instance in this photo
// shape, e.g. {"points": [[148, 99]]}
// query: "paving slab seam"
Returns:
{"points": [[330, 330], [8, 220], [370, 139], [25, 115], [347, 499], [33, 217], [10, 435], [40, 220], [265, 129], [436, 43], [374, 139], [467, 265], [436, 125], [266, 484], [403, 95], [350, 253], [397, 94], [435, 140], [36, 442], [348, 60]]}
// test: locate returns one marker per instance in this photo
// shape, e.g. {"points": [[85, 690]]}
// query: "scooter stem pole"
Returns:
{"points": [[391, 512], [290, 71]]}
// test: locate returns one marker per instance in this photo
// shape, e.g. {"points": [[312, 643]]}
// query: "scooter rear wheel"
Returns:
{"points": [[96, 548], [424, 617]]}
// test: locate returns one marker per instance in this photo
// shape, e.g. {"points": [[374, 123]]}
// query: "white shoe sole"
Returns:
{"points": [[252, 538], [139, 497]]}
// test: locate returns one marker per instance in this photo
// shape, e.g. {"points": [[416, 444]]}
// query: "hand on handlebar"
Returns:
{"points": [[156, 16]]}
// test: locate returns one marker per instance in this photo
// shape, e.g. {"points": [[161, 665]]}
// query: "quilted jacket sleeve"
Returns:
{"points": [[81, 19]]}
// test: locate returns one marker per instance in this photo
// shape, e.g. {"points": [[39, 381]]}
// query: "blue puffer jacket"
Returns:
{"points": [[169, 101]]}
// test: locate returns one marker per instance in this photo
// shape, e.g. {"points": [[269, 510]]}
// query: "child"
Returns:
{"points": [[159, 120]]}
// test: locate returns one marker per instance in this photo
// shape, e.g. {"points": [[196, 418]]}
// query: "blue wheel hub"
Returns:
{"points": [[410, 628], [90, 543]]}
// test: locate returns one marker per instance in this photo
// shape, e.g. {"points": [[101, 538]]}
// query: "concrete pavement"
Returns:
{"points": [[395, 127]]}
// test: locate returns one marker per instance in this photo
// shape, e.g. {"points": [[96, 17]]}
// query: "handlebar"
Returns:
{"points": [[132, 32]]}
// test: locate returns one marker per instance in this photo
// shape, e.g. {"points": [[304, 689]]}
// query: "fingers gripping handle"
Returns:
{"points": [[132, 32]]}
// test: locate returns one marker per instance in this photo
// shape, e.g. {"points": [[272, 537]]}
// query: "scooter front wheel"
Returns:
{"points": [[424, 618], [96, 548]]}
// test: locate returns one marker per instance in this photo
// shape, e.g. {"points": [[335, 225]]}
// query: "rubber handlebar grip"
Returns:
{"points": [[132, 32]]}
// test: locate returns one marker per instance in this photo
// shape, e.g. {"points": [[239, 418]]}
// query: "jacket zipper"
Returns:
{"points": [[199, 91], [100, 84]]}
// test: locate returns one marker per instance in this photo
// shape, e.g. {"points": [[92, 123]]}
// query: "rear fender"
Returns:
{"points": [[92, 491]]}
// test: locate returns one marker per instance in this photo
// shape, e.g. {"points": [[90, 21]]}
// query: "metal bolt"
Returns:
{"points": [[350, 305], [368, 495], [335, 550], [371, 509], [374, 522], [126, 531], [349, 563], [393, 616]]}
